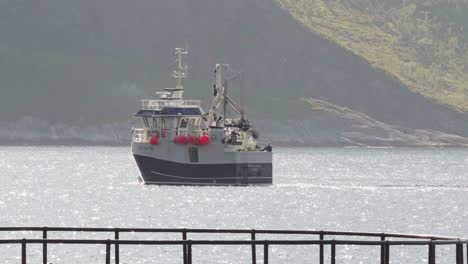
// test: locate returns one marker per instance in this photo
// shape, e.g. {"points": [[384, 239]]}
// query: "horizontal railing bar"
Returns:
{"points": [[229, 242], [232, 231]]}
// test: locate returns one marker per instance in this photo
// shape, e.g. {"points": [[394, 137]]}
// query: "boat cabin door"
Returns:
{"points": [[182, 126]]}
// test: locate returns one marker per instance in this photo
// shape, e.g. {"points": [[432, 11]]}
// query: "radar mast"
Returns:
{"points": [[179, 74]]}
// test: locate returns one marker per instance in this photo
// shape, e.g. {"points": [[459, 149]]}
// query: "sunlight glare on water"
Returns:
{"points": [[375, 190]]}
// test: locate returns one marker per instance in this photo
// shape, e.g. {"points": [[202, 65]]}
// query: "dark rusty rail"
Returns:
{"points": [[381, 240]]}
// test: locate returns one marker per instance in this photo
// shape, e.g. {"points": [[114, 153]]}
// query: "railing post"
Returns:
{"points": [[184, 246], [459, 253], [431, 253], [382, 250], [108, 253], [189, 252], [254, 249], [23, 251], [321, 247], [116, 246], [265, 252], [387, 253], [333, 252], [44, 245]]}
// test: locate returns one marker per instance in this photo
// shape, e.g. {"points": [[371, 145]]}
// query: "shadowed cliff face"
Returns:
{"points": [[86, 62]]}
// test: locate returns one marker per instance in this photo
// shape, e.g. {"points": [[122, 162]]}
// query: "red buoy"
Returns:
{"points": [[154, 140], [190, 139], [204, 140], [195, 141], [180, 140]]}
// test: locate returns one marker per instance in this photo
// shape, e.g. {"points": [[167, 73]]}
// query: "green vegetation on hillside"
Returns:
{"points": [[424, 43]]}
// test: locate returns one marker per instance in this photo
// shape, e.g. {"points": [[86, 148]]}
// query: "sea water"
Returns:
{"points": [[357, 189]]}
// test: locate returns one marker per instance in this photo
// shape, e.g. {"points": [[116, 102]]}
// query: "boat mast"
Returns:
{"points": [[179, 74]]}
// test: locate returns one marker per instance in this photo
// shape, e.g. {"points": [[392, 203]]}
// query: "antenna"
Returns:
{"points": [[181, 72]]}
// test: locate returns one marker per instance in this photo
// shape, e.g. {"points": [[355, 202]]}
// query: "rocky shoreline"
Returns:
{"points": [[326, 130]]}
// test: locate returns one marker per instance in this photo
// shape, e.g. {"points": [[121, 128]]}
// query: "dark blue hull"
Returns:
{"points": [[163, 172]]}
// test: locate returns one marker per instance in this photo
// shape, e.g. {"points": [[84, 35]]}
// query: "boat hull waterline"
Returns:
{"points": [[164, 172]]}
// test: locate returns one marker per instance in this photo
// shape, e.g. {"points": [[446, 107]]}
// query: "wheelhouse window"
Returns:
{"points": [[169, 122], [156, 122], [145, 121], [183, 123]]}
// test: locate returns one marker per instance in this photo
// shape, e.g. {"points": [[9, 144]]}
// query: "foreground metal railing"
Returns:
{"points": [[318, 238]]}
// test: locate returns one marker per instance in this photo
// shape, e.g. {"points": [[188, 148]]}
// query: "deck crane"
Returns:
{"points": [[213, 117], [237, 132]]}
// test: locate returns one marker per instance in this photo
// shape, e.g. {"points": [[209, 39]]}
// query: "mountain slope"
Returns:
{"points": [[424, 43], [86, 63]]}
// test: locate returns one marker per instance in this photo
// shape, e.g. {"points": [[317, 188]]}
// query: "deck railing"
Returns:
{"points": [[160, 104], [317, 238], [142, 135]]}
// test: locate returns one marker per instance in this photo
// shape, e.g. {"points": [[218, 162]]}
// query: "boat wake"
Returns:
{"points": [[418, 187]]}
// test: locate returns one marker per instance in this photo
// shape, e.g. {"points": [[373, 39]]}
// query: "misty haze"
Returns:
{"points": [[204, 122], [71, 72]]}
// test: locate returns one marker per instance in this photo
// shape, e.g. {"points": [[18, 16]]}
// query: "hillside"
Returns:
{"points": [[424, 43], [74, 71]]}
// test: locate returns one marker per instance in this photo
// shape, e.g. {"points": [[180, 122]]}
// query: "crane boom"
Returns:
{"points": [[213, 117], [234, 105], [218, 98]]}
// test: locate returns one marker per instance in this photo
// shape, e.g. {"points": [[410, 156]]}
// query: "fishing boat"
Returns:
{"points": [[180, 144]]}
